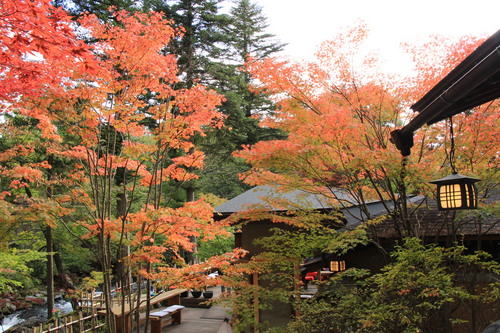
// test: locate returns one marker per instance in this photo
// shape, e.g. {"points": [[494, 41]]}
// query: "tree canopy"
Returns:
{"points": [[95, 155]]}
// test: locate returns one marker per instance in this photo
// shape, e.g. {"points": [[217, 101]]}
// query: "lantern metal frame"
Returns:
{"points": [[456, 192]]}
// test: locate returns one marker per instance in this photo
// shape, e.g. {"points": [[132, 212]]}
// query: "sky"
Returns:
{"points": [[303, 25]]}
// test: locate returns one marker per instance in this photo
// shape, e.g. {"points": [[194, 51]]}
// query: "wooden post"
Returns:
{"points": [[93, 319], [297, 286], [175, 300], [255, 282], [80, 321]]}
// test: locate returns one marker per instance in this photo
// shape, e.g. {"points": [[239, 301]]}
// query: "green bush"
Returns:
{"points": [[418, 292]]}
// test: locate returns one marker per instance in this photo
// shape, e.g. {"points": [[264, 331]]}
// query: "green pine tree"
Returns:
{"points": [[203, 36], [98, 7], [245, 36]]}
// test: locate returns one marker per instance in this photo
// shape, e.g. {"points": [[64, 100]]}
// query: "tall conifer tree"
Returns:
{"points": [[98, 7], [245, 36], [213, 51], [203, 37]]}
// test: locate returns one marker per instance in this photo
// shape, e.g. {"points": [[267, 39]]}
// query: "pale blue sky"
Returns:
{"points": [[305, 24]]}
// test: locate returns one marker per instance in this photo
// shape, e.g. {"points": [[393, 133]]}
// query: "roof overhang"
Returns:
{"points": [[475, 81]]}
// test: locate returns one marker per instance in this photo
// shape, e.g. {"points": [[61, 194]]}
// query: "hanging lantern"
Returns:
{"points": [[456, 192], [337, 266]]}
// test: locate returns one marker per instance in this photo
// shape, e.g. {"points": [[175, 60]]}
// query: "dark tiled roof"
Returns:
{"points": [[266, 197], [425, 219], [428, 222]]}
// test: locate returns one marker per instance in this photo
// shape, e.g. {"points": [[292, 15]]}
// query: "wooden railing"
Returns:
{"points": [[92, 308], [88, 301], [86, 320], [81, 324]]}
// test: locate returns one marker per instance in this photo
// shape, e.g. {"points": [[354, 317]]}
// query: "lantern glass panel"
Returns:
{"points": [[450, 196], [471, 195]]}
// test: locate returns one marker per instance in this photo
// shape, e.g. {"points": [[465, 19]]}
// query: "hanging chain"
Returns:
{"points": [[452, 147], [404, 163], [401, 208], [402, 176]]}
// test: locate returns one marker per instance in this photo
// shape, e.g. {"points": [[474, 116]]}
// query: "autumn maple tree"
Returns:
{"points": [[38, 46], [476, 131], [338, 112], [113, 140], [338, 121]]}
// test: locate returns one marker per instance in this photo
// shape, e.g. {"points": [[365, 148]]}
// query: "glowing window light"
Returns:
{"points": [[337, 266]]}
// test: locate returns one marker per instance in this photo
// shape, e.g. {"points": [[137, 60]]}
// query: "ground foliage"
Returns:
{"points": [[420, 291]]}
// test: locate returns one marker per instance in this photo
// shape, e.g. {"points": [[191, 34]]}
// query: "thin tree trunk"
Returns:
{"points": [[148, 298], [50, 250], [50, 272], [123, 271], [106, 267], [61, 272], [191, 256]]}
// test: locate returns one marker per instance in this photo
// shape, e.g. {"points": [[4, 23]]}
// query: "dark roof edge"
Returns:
{"points": [[479, 61], [473, 82]]}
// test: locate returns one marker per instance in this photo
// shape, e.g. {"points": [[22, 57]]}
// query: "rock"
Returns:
{"points": [[27, 324], [7, 306], [10, 306], [3, 309], [35, 300], [493, 328]]}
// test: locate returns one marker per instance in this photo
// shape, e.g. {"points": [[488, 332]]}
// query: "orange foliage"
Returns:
{"points": [[339, 111], [476, 131], [435, 58], [37, 48], [90, 104], [338, 121], [196, 276]]}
